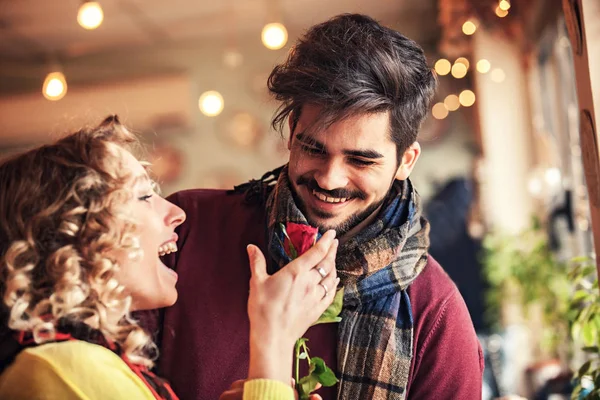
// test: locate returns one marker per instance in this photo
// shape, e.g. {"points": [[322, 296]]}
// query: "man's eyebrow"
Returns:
{"points": [[372, 154], [301, 137], [368, 153]]}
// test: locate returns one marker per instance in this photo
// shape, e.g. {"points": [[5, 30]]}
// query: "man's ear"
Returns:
{"points": [[408, 161], [291, 118]]}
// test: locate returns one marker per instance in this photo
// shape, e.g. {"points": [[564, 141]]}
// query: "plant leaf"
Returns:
{"points": [[306, 385], [588, 334], [584, 368], [332, 312], [590, 349], [322, 372], [579, 295]]}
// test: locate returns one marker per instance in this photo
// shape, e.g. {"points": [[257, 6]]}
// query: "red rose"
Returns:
{"points": [[298, 239]]}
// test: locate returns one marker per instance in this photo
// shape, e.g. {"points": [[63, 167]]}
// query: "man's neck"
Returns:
{"points": [[366, 222]]}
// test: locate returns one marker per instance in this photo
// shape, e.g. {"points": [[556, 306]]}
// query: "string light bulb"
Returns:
{"points": [[464, 61], [501, 13], [451, 102], [469, 27], [55, 86], [466, 98], [439, 111], [459, 70], [442, 67], [90, 15], [483, 66], [274, 36], [504, 5], [211, 103]]}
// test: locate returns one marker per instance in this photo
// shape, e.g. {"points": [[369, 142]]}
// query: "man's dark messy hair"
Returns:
{"points": [[352, 65]]}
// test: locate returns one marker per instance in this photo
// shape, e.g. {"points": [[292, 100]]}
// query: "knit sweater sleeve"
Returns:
{"points": [[266, 389], [449, 365], [72, 370]]}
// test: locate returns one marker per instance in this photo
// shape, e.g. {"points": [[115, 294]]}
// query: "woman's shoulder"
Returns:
{"points": [[71, 350], [70, 370]]}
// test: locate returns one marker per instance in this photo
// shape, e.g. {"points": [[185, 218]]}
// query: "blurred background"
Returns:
{"points": [[509, 147]]}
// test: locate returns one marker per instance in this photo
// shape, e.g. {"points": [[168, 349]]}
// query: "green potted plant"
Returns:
{"points": [[523, 270], [584, 315]]}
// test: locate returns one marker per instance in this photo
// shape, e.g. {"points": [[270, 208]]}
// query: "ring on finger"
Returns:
{"points": [[325, 288], [321, 272]]}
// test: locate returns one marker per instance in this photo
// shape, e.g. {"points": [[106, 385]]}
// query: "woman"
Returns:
{"points": [[81, 232]]}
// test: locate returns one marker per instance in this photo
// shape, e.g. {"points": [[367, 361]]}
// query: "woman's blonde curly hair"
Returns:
{"points": [[61, 223]]}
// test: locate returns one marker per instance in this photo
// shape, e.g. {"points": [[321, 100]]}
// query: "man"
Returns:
{"points": [[354, 94]]}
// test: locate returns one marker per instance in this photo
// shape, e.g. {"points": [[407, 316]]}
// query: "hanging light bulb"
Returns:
{"points": [[211, 103], [504, 5], [469, 27], [466, 98], [90, 15], [451, 102], [501, 13], [439, 111], [55, 86], [464, 61], [274, 36], [442, 67], [483, 66], [459, 70]]}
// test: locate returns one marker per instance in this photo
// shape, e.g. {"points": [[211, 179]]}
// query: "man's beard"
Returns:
{"points": [[345, 226]]}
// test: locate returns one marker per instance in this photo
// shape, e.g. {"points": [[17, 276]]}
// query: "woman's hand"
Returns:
{"points": [[236, 392], [282, 306]]}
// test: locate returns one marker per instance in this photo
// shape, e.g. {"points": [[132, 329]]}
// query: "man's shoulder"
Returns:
{"points": [[190, 196], [201, 201], [433, 284], [445, 341], [434, 296]]}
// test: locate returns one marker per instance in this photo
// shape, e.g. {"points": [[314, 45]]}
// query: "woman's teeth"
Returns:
{"points": [[167, 248], [326, 199]]}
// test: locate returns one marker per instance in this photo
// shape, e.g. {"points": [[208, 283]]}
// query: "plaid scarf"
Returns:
{"points": [[375, 337]]}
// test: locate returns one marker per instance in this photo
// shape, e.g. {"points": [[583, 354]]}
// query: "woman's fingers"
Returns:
{"points": [[326, 266], [258, 264], [325, 293], [314, 255]]}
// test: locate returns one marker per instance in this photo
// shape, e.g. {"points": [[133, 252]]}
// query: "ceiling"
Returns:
{"points": [[34, 33]]}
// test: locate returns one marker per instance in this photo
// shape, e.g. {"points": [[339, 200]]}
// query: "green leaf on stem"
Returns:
{"points": [[318, 373], [584, 368], [590, 349], [324, 374], [589, 334], [333, 311], [306, 386]]}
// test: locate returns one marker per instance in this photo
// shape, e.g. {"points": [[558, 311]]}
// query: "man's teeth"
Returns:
{"points": [[167, 248], [326, 199]]}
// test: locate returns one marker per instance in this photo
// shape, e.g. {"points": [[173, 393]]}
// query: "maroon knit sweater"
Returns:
{"points": [[204, 341]]}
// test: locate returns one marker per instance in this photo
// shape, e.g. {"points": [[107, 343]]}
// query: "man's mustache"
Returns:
{"points": [[312, 184]]}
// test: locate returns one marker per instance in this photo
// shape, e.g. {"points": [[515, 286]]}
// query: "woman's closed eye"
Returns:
{"points": [[145, 197]]}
